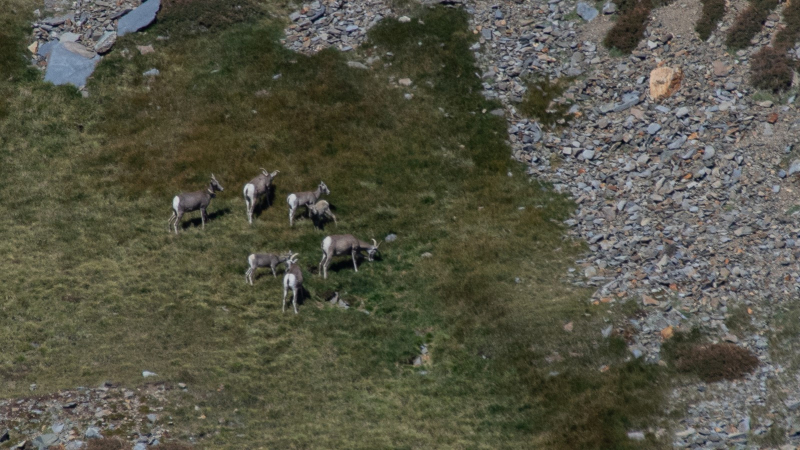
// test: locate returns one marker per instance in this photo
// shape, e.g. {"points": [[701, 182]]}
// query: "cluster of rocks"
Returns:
{"points": [[69, 419], [337, 23], [68, 45], [682, 199]]}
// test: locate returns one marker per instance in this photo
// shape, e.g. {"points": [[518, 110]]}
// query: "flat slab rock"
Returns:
{"points": [[139, 18], [66, 67]]}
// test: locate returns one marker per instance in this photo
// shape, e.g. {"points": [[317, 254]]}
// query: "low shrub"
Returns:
{"points": [[771, 70], [713, 11], [748, 23], [629, 29], [715, 362], [787, 37]]}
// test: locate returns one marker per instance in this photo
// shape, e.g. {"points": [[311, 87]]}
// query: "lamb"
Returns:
{"points": [[320, 210], [304, 199], [255, 189], [192, 201], [344, 244], [270, 260], [293, 279]]}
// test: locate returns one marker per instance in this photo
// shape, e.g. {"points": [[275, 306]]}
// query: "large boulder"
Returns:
{"points": [[139, 18], [664, 81], [66, 66]]}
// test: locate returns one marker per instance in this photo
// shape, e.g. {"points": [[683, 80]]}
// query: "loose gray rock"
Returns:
{"points": [[390, 238], [152, 73], [795, 167], [357, 65], [93, 433], [67, 67], [105, 43], [586, 11], [609, 8], [653, 128], [139, 18], [46, 440]]}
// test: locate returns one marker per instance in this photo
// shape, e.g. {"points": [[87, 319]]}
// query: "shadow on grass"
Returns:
{"points": [[197, 222]]}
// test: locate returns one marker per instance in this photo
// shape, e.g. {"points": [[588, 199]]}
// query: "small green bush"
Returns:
{"points": [[538, 101], [771, 70], [629, 29], [749, 23], [713, 11]]}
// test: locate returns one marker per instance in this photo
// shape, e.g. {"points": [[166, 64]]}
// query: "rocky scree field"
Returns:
{"points": [[462, 334]]}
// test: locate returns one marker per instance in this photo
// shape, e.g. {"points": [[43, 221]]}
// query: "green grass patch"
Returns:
{"points": [[96, 289], [541, 101]]}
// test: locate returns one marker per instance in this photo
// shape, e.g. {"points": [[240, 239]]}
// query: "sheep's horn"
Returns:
{"points": [[213, 177], [263, 170], [374, 243], [296, 254]]}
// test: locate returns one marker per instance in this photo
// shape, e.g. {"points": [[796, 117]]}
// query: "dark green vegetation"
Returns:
{"points": [[629, 28], [95, 289], [771, 68], [712, 14], [538, 101], [709, 362], [748, 23]]}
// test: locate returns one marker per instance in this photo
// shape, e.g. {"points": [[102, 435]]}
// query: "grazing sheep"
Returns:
{"points": [[344, 244], [293, 279], [270, 260], [255, 189]]}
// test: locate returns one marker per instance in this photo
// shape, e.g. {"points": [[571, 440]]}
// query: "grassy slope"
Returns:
{"points": [[94, 288]]}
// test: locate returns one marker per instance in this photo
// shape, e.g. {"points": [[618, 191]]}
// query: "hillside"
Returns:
{"points": [[565, 262]]}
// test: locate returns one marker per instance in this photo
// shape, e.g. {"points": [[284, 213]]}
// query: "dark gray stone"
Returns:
{"points": [[66, 67], [586, 11], [45, 49], [139, 18], [46, 440]]}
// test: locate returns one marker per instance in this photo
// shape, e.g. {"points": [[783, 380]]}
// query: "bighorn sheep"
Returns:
{"points": [[293, 279], [344, 244], [192, 201], [322, 209], [255, 189], [305, 199], [270, 260]]}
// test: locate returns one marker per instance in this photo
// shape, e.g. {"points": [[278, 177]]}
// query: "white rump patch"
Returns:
{"points": [[176, 203]]}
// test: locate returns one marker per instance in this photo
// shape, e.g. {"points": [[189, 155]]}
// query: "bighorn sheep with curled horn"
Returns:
{"points": [[306, 199], [293, 279], [192, 201], [344, 244], [255, 189], [320, 210], [270, 260]]}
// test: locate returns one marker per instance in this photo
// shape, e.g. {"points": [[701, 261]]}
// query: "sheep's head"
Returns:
{"points": [[373, 250]]}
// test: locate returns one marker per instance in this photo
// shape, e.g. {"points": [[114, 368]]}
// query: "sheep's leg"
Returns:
{"points": [[203, 217], [354, 261], [247, 204], [334, 218], [169, 223], [273, 271], [247, 276], [284, 298], [178, 218], [294, 298], [322, 266], [291, 216]]}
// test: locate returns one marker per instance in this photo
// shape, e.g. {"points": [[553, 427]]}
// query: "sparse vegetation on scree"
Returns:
{"points": [[748, 23], [94, 288], [711, 16], [771, 68]]}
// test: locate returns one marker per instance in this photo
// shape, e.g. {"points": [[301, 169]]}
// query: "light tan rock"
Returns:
{"points": [[79, 49], [664, 81], [667, 332], [34, 47]]}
